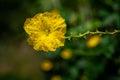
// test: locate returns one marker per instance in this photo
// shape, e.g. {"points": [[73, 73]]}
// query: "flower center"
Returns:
{"points": [[47, 31]]}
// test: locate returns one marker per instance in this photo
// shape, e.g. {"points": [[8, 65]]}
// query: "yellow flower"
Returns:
{"points": [[83, 78], [93, 41], [57, 77], [46, 31], [66, 54], [46, 65]]}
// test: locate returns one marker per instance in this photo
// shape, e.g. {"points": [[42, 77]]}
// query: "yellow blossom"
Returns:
{"points": [[46, 65], [66, 54], [93, 41], [83, 78], [57, 77], [46, 31]]}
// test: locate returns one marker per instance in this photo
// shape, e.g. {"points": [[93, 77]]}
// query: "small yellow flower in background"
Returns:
{"points": [[83, 78], [66, 54], [46, 65], [93, 41], [57, 77], [46, 31]]}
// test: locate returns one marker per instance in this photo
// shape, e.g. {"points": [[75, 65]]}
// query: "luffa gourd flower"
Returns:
{"points": [[46, 31]]}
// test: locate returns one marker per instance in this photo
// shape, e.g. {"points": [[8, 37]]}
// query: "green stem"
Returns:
{"points": [[93, 33]]}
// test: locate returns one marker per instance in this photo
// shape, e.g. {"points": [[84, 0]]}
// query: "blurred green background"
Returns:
{"points": [[88, 58]]}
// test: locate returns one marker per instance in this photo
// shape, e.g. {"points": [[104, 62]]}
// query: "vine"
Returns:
{"points": [[92, 33]]}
